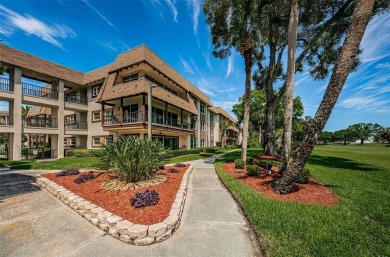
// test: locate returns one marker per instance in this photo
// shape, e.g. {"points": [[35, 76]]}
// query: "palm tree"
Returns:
{"points": [[289, 94], [361, 15], [234, 24], [224, 125]]}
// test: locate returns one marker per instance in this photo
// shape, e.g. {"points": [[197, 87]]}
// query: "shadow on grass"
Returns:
{"points": [[229, 157], [16, 184], [340, 163], [20, 165]]}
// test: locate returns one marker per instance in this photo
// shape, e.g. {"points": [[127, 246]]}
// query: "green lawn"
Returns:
{"points": [[65, 163], [89, 162], [358, 226]]}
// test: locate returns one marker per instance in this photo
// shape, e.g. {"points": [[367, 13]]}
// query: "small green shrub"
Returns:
{"points": [[249, 161], [253, 170], [303, 177], [131, 159], [263, 164], [82, 152], [174, 153], [239, 164], [211, 149]]}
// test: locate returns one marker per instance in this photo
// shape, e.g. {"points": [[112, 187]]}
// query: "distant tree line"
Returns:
{"points": [[359, 131]]}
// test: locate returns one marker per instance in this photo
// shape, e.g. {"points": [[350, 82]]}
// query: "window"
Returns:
{"points": [[211, 117], [202, 126], [108, 139], [96, 141], [202, 143], [193, 142], [96, 116], [193, 122], [73, 97], [72, 141], [95, 91], [130, 77], [65, 141], [107, 113], [202, 108], [72, 119]]}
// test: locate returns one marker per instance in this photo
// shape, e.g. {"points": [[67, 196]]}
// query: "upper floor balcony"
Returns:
{"points": [[6, 85], [76, 99], [40, 122], [134, 118], [38, 91], [6, 119], [77, 125]]}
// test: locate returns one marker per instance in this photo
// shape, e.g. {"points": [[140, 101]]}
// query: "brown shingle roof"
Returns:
{"points": [[219, 110], [38, 111], [111, 91], [15, 57], [143, 53], [100, 73]]}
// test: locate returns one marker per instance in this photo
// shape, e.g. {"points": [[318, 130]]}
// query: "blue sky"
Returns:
{"points": [[85, 35]]}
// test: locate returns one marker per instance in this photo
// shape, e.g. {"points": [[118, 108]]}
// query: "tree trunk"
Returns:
{"points": [[247, 99], [260, 129], [269, 135], [361, 141], [360, 18], [289, 94]]}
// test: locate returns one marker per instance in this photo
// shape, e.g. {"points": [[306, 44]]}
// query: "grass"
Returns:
{"points": [[65, 163], [188, 157], [89, 162], [357, 226]]}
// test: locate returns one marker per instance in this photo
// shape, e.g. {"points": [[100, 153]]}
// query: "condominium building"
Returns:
{"points": [[83, 110]]}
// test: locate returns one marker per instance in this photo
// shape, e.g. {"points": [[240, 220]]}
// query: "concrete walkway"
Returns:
{"points": [[35, 223]]}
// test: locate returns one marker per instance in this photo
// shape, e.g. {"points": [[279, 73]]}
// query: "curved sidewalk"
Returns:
{"points": [[37, 224]]}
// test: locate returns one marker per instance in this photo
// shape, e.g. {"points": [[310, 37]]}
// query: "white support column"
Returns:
{"points": [[16, 139], [207, 114], [198, 124], [61, 127], [189, 136]]}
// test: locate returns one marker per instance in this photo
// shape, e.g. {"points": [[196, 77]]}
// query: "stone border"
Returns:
{"points": [[122, 229]]}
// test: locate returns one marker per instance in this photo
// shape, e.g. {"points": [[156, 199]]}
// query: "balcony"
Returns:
{"points": [[40, 122], [38, 91], [126, 118], [6, 85], [76, 99], [6, 119], [78, 125], [138, 118]]}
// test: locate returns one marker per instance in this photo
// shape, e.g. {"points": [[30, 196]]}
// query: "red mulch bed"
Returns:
{"points": [[118, 202], [268, 157], [312, 193]]}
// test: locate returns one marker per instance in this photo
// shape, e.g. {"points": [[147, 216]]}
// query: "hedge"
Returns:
{"points": [[164, 155], [81, 152]]}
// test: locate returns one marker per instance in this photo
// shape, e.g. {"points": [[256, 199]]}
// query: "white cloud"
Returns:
{"points": [[100, 14], [226, 105], [385, 65], [208, 62], [195, 13], [194, 65], [230, 67], [376, 40], [117, 47], [33, 26], [173, 9], [369, 103], [187, 66]]}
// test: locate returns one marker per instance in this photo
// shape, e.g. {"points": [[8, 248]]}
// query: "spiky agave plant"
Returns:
{"points": [[132, 159]]}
